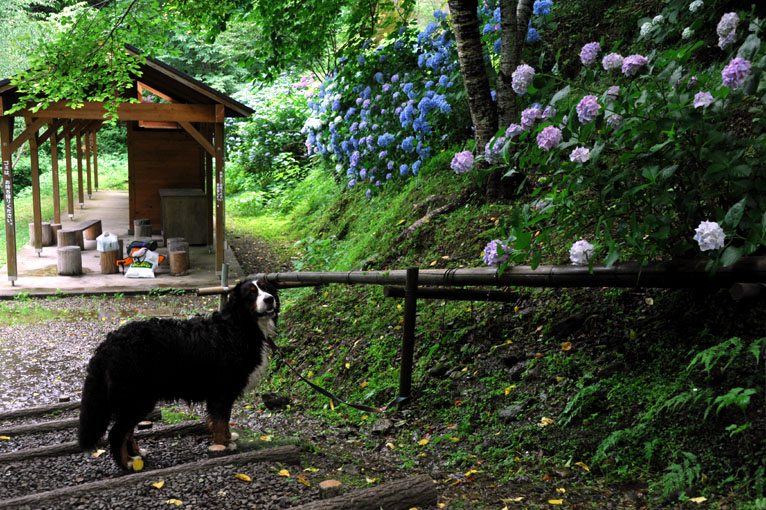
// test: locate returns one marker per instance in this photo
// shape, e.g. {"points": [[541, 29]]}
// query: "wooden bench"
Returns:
{"points": [[90, 229]]}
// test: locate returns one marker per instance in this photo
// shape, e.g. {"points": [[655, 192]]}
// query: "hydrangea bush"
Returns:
{"points": [[644, 148]]}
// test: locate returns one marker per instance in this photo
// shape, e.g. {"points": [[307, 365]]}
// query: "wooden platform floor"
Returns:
{"points": [[37, 274]]}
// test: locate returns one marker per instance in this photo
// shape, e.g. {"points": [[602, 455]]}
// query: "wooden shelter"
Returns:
{"points": [[174, 144]]}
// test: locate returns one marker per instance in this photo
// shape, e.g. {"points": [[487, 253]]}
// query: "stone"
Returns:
{"points": [[275, 401], [510, 413]]}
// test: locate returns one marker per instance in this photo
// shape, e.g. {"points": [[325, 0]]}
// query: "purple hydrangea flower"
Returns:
{"points": [[735, 72], [395, 78], [521, 79], [727, 29], [513, 130], [703, 99], [612, 93], [493, 148], [709, 235], [386, 87], [462, 162], [587, 109], [368, 193], [612, 61], [632, 64], [581, 252], [529, 116], [351, 183], [589, 52], [549, 112], [404, 169], [614, 120], [580, 155], [496, 253], [549, 138], [355, 158]]}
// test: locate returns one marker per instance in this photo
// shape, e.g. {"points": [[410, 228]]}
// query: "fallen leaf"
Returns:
{"points": [[390, 446], [302, 478], [470, 472], [176, 502], [566, 346], [423, 442], [370, 480], [434, 263], [266, 438], [582, 465], [455, 439], [458, 402], [5, 438], [243, 477], [311, 470], [649, 301], [698, 500], [364, 384], [561, 490], [138, 465], [513, 500], [400, 222], [159, 485], [544, 422], [555, 501], [98, 453], [347, 365], [284, 472], [510, 388]]}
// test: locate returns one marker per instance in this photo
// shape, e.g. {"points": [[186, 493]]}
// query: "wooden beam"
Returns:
{"points": [[52, 129], [198, 136], [68, 156], [94, 110], [219, 195], [34, 163], [55, 174], [32, 128], [6, 136]]}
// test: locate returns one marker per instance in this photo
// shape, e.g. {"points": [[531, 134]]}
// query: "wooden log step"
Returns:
{"points": [[195, 427], [37, 411], [33, 428], [142, 227], [415, 491], [286, 454]]}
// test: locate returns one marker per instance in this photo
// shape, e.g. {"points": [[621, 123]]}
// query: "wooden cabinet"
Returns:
{"points": [[184, 214]]}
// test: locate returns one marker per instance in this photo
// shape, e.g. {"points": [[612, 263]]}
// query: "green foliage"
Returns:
{"points": [[22, 30], [680, 476]]}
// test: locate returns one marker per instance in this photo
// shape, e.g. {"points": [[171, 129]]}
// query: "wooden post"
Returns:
{"points": [[219, 191], [6, 135], [209, 191], [408, 336], [80, 195], [86, 143], [55, 175], [34, 163], [95, 159], [68, 157]]}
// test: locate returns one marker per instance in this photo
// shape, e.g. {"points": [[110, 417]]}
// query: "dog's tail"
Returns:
{"points": [[95, 412]]}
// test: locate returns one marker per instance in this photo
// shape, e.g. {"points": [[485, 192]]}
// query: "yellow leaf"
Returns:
{"points": [[434, 263], [159, 485], [510, 389], [242, 477], [311, 470], [470, 472], [423, 442], [400, 222], [561, 490], [303, 480], [332, 404], [582, 465], [364, 384], [5, 438], [555, 501], [347, 365], [426, 220], [698, 500], [649, 301], [176, 502], [513, 500], [138, 464], [566, 346], [544, 422], [390, 446], [455, 439], [370, 480], [266, 438], [284, 472], [98, 453]]}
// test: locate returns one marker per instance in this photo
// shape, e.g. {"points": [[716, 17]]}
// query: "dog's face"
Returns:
{"points": [[260, 298]]}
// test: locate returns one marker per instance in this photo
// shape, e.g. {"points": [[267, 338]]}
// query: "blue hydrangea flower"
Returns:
{"points": [[360, 59], [363, 173], [542, 7], [438, 14], [532, 36], [351, 111], [355, 158], [382, 58], [379, 77], [385, 140], [390, 165], [488, 28], [429, 84], [335, 105], [443, 80], [416, 167], [407, 144], [388, 176], [351, 183], [422, 59], [404, 169], [368, 193], [498, 45]]}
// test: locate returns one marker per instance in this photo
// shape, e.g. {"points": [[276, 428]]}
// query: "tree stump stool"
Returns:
{"points": [[70, 238], [69, 260], [172, 241], [179, 262], [55, 227], [46, 233], [142, 227], [108, 261]]}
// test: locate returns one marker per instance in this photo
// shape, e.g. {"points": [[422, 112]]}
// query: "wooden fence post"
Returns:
{"points": [[408, 337]]}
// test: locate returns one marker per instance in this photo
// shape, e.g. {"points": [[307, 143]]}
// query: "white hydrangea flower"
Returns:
{"points": [[709, 235], [581, 252], [313, 124], [646, 28], [696, 5], [657, 19], [687, 33]]}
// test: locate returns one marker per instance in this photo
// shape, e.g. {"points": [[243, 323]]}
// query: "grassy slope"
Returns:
{"points": [[607, 392]]}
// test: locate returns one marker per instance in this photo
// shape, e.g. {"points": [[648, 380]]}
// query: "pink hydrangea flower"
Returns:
{"points": [[589, 52], [521, 79], [587, 109], [462, 162], [734, 74], [703, 99], [632, 64], [580, 155], [549, 138]]}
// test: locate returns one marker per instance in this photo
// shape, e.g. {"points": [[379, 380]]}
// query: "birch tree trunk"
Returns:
{"points": [[465, 23]]}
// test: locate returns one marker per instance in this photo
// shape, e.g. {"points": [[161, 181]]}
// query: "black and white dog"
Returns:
{"points": [[212, 359]]}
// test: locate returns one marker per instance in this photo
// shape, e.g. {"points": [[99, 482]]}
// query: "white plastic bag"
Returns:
{"points": [[143, 266]]}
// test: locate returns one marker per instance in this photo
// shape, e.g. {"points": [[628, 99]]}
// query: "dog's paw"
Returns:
{"points": [[143, 452], [234, 436]]}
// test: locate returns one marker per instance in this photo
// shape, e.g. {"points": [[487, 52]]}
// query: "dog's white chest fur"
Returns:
{"points": [[268, 328]]}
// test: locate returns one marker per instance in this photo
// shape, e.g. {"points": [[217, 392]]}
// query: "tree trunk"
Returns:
{"points": [[465, 23]]}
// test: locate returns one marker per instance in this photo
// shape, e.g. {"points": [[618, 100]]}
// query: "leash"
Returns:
{"points": [[334, 399]]}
